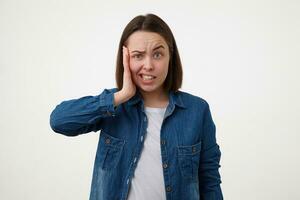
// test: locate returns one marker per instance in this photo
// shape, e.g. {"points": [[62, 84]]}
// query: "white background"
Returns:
{"points": [[241, 56]]}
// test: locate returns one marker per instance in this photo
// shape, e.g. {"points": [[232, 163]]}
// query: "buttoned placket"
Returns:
{"points": [[165, 166], [138, 152]]}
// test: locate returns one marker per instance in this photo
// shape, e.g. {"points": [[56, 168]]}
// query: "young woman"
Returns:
{"points": [[156, 142]]}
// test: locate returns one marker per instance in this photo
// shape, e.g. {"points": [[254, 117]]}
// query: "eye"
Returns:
{"points": [[157, 55], [137, 56]]}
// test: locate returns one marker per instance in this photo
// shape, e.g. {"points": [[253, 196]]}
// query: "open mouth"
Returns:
{"points": [[147, 77]]}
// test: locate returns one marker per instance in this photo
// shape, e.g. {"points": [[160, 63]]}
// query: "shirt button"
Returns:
{"points": [[194, 149], [169, 189], [142, 137], [107, 141], [163, 142], [165, 165], [127, 181], [145, 119], [134, 159]]}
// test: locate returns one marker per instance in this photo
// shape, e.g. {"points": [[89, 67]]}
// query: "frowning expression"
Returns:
{"points": [[149, 60]]}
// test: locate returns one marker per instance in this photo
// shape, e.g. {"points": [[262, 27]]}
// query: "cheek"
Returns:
{"points": [[134, 67], [163, 66]]}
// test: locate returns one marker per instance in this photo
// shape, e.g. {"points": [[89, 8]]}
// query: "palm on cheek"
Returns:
{"points": [[128, 85]]}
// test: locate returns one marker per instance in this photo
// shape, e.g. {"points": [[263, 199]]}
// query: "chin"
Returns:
{"points": [[148, 88]]}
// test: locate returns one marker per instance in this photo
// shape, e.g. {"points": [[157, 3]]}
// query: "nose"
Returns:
{"points": [[148, 64]]}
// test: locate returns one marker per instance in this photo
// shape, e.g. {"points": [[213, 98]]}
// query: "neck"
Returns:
{"points": [[158, 99]]}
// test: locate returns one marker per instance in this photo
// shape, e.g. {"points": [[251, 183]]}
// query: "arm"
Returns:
{"points": [[83, 115], [209, 176]]}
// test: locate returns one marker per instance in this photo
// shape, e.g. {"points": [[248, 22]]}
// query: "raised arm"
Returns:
{"points": [[83, 115], [86, 114]]}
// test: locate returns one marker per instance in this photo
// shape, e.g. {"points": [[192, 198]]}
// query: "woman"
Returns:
{"points": [[156, 142]]}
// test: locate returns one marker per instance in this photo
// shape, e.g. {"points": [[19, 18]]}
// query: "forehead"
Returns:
{"points": [[143, 39]]}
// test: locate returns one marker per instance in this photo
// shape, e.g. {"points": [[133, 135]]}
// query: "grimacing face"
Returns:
{"points": [[149, 60]]}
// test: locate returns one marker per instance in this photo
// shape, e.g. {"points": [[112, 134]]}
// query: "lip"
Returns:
{"points": [[147, 75], [146, 81]]}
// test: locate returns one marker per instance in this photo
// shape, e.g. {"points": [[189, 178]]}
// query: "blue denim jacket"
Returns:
{"points": [[190, 154]]}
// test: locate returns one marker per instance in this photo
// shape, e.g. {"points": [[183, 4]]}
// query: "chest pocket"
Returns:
{"points": [[189, 158], [110, 151]]}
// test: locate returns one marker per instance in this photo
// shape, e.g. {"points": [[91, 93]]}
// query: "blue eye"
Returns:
{"points": [[157, 53]]}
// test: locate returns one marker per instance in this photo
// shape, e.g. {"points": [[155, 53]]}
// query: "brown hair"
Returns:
{"points": [[152, 23]]}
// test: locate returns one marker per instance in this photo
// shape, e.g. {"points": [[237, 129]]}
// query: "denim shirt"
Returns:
{"points": [[189, 151]]}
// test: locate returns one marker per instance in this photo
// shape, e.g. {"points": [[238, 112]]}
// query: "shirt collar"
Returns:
{"points": [[174, 99]]}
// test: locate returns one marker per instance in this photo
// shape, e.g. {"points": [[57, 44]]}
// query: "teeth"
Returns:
{"points": [[146, 77]]}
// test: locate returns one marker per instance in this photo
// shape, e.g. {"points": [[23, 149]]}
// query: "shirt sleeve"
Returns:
{"points": [[83, 115], [209, 176]]}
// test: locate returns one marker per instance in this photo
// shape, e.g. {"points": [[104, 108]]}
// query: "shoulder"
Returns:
{"points": [[110, 90], [195, 104], [192, 100]]}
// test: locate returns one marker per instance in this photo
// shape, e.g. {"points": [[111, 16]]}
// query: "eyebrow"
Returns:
{"points": [[160, 46]]}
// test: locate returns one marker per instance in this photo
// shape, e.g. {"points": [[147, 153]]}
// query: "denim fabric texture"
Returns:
{"points": [[189, 150]]}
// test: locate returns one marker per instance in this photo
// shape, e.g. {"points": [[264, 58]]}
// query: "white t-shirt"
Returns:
{"points": [[148, 182]]}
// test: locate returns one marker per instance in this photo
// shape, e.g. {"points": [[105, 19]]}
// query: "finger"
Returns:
{"points": [[128, 59], [125, 59]]}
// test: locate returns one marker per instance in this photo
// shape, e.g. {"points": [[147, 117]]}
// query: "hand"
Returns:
{"points": [[129, 88]]}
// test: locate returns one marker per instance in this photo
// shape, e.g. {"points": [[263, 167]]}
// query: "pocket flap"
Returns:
{"points": [[190, 149], [111, 141]]}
